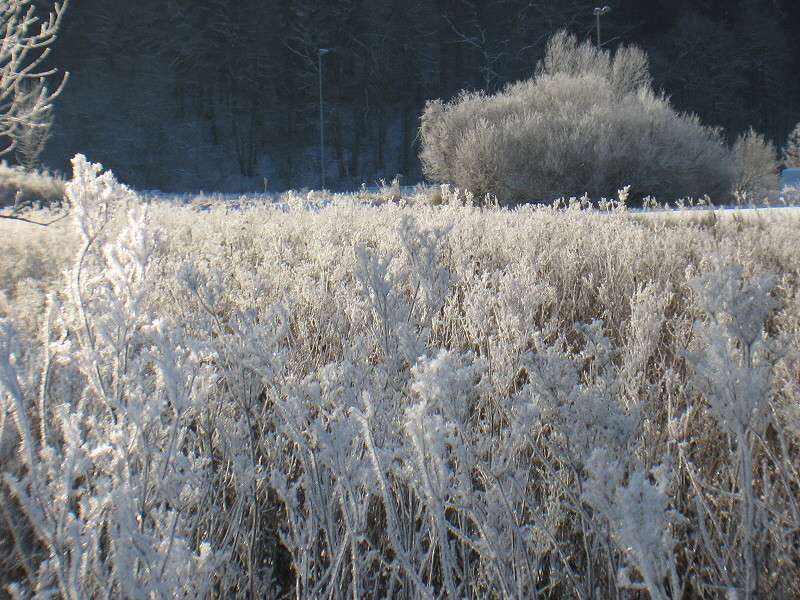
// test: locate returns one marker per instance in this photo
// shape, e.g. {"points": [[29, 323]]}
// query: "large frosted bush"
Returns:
{"points": [[588, 122]]}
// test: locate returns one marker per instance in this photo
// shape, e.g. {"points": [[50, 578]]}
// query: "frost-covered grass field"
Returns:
{"points": [[397, 401]]}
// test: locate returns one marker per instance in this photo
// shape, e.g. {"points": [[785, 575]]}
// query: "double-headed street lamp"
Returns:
{"points": [[597, 13], [320, 53]]}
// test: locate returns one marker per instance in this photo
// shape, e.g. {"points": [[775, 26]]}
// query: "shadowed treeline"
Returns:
{"points": [[225, 95]]}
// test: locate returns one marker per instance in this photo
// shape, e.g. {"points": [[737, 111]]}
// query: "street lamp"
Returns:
{"points": [[597, 12], [320, 53]]}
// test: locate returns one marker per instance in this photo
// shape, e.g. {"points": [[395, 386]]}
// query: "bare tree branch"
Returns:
{"points": [[25, 98], [32, 222]]}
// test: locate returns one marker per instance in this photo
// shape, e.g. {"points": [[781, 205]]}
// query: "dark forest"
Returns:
{"points": [[185, 95]]}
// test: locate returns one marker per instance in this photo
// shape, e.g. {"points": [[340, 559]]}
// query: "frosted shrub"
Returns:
{"points": [[577, 391], [108, 480], [756, 167], [735, 372], [736, 364], [641, 519], [791, 152], [588, 122]]}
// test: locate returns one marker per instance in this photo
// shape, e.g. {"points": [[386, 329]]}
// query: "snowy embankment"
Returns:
{"points": [[398, 400]]}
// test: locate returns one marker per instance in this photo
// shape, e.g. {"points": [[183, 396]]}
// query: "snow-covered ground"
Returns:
{"points": [[790, 178]]}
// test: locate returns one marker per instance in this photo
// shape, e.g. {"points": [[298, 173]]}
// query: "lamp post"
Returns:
{"points": [[320, 53], [597, 13]]}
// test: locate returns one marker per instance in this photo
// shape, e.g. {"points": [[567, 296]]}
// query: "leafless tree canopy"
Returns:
{"points": [[27, 86]]}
